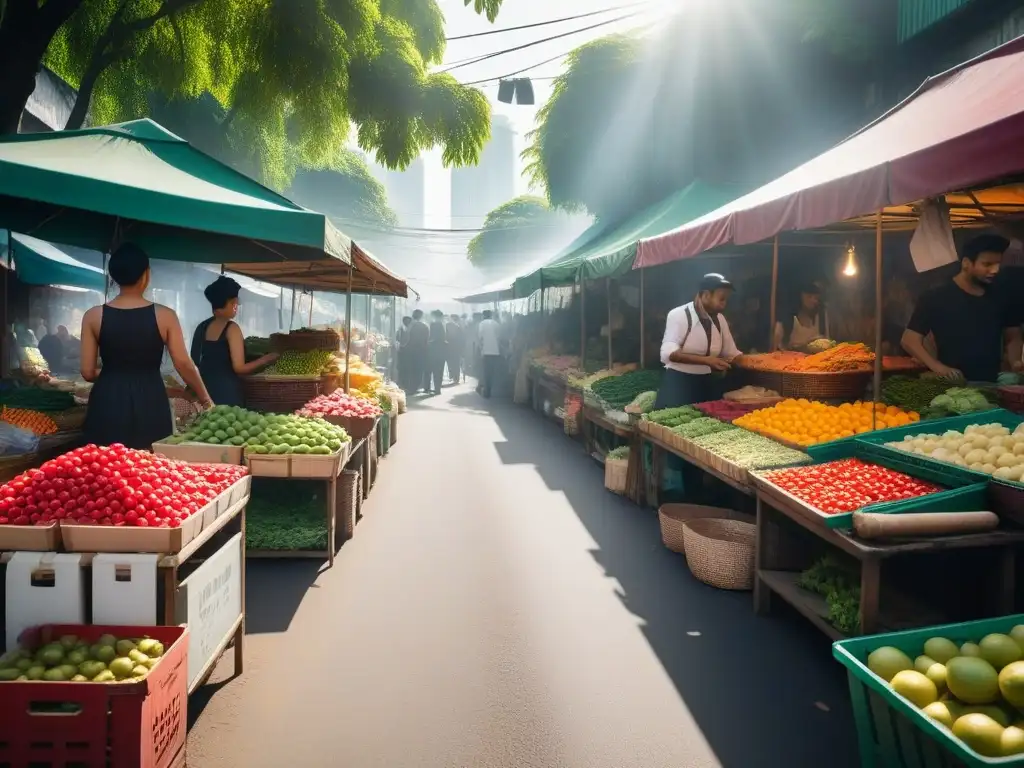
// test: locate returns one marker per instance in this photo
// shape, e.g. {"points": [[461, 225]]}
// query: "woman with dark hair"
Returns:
{"points": [[128, 403], [218, 348]]}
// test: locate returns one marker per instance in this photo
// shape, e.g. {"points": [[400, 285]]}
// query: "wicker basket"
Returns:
{"points": [[306, 341], [721, 552], [844, 385], [349, 490], [615, 474], [674, 516], [279, 394]]}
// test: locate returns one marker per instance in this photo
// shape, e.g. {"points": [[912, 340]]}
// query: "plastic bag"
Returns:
{"points": [[14, 440]]}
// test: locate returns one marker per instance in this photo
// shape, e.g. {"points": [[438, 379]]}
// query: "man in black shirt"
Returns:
{"points": [[967, 319]]}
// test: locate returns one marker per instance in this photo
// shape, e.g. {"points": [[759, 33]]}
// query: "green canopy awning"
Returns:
{"points": [[559, 270], [610, 253], [37, 262], [137, 181]]}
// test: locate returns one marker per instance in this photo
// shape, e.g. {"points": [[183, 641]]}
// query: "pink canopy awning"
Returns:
{"points": [[960, 129]]}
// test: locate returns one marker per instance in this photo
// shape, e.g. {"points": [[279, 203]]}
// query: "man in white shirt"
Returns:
{"points": [[488, 335], [697, 343]]}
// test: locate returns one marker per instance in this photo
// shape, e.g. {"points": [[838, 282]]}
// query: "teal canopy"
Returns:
{"points": [[37, 262], [138, 182], [609, 252]]}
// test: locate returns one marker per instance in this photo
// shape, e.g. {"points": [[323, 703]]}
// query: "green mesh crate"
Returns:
{"points": [[892, 732]]}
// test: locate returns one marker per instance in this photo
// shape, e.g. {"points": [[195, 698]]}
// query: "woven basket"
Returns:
{"points": [[721, 552], [674, 516], [307, 341], [615, 473], [280, 395], [349, 490], [71, 419], [357, 428], [845, 385]]}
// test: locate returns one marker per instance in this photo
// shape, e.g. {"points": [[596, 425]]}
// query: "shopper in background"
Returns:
{"points": [[456, 343], [489, 345], [419, 336], [218, 347], [56, 348], [437, 352], [804, 323], [402, 340], [128, 403], [472, 359]]}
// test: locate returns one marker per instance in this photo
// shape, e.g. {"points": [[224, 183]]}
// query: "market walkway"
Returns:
{"points": [[499, 609]]}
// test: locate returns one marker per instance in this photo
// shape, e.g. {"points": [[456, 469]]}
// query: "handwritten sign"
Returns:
{"points": [[210, 601]]}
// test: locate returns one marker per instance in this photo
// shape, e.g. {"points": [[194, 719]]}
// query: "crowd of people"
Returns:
{"points": [[449, 348]]}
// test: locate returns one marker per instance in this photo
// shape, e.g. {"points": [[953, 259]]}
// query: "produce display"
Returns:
{"points": [[988, 448], [32, 361], [283, 515], [725, 410], [36, 399], [770, 361], [563, 365], [71, 660], [621, 452], [701, 426], [620, 391], [642, 403], [315, 362], [842, 357], [749, 450], [975, 689], [586, 381], [809, 422], [841, 589], [339, 404], [911, 392], [820, 345], [673, 417], [848, 485], [958, 401], [749, 394], [113, 485], [34, 421], [257, 346], [263, 433]]}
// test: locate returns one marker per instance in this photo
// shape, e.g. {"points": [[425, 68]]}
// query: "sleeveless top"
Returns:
{"points": [[213, 358]]}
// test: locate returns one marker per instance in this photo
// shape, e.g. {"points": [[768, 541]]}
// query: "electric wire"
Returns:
{"points": [[562, 20]]}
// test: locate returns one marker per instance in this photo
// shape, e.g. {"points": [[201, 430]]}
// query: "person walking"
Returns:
{"points": [[454, 331], [402, 358], [489, 346], [438, 352], [419, 336]]}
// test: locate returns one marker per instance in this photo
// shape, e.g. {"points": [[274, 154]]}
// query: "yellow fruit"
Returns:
{"points": [[941, 712], [1012, 742], [940, 649], [1011, 683], [887, 661], [915, 687], [922, 663], [937, 674], [970, 649], [981, 733], [999, 650], [972, 680], [1017, 633], [994, 711]]}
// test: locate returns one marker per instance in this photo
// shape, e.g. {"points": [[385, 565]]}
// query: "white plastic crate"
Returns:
{"points": [[43, 588], [124, 589]]}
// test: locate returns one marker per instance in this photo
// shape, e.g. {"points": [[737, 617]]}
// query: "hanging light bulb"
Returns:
{"points": [[850, 270]]}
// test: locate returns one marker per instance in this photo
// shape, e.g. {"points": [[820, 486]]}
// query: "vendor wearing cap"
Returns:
{"points": [[806, 323], [968, 320], [697, 343]]}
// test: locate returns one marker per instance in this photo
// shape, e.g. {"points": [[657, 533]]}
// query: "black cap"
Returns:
{"points": [[712, 282]]}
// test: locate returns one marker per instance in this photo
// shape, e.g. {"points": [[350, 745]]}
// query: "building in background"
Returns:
{"points": [[479, 189], [407, 191]]}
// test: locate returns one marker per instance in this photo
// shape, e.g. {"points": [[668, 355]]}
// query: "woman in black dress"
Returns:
{"points": [[128, 403], [218, 348]]}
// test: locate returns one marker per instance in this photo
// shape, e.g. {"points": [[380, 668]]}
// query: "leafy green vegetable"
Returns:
{"points": [[620, 391], [701, 426], [912, 393], [750, 450], [958, 401], [836, 583], [286, 515], [618, 453]]}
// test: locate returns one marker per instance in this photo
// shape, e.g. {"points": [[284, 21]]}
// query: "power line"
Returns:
{"points": [[477, 59], [550, 22], [520, 71]]}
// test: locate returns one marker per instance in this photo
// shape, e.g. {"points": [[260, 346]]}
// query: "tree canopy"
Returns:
{"points": [[345, 190], [291, 75], [518, 230], [736, 94]]}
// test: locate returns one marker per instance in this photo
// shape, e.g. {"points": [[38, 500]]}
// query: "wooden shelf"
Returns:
{"points": [[175, 559], [811, 606], [732, 482]]}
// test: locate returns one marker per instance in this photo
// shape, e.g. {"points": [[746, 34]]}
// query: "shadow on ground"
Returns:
{"points": [[764, 691]]}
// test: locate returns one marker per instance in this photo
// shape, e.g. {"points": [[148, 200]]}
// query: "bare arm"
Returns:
{"points": [[913, 343], [170, 329], [90, 348], [236, 346]]}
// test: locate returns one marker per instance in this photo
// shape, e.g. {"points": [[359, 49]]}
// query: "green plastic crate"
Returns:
{"points": [[834, 448], [892, 732], [962, 485], [384, 443]]}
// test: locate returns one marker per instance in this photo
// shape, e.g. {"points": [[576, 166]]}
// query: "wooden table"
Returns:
{"points": [[555, 387], [659, 449], [778, 562]]}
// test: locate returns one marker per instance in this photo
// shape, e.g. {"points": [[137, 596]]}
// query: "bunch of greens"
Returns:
{"points": [[912, 393], [958, 401], [833, 581], [701, 426], [621, 452], [642, 403], [285, 515], [673, 417], [620, 391]]}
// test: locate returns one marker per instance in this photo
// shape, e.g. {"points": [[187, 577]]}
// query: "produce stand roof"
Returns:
{"points": [[560, 270], [137, 181], [38, 262], [368, 274], [959, 130]]}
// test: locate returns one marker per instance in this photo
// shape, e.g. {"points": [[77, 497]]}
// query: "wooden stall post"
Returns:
{"points": [[608, 293], [876, 384], [393, 362], [291, 320], [310, 309], [348, 327], [775, 293], [643, 324], [583, 324]]}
